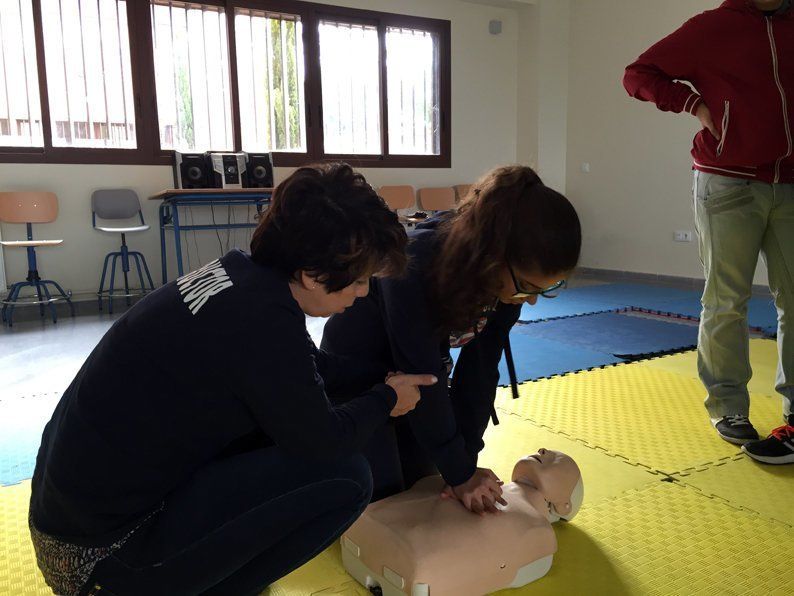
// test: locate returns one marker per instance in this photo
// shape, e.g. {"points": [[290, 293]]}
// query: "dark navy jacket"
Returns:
{"points": [[200, 363], [396, 326]]}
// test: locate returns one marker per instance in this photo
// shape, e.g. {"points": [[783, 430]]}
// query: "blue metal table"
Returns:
{"points": [[173, 199]]}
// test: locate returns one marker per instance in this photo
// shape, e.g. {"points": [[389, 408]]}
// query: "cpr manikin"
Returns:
{"points": [[419, 544]]}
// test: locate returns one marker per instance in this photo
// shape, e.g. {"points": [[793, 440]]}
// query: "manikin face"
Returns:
{"points": [[554, 474], [316, 301]]}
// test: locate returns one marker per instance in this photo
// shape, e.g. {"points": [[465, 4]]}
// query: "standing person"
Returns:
{"points": [[196, 451], [740, 60], [512, 240]]}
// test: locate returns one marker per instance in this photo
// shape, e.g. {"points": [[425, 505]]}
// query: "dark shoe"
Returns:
{"points": [[777, 448], [736, 429]]}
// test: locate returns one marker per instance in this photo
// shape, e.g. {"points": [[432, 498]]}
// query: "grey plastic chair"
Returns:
{"points": [[117, 204]]}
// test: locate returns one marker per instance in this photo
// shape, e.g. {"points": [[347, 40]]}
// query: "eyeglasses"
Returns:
{"points": [[550, 292]]}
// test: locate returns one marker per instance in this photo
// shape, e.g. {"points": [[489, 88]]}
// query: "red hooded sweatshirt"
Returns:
{"points": [[741, 63]]}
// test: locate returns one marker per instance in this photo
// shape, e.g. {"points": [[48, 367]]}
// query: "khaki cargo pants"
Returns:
{"points": [[736, 220]]}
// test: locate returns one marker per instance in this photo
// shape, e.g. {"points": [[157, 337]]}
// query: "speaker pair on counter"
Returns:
{"points": [[223, 170]]}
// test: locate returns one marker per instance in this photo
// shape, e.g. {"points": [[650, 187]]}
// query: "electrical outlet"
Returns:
{"points": [[682, 236]]}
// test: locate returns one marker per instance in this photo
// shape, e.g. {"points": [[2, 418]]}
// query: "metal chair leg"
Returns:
{"points": [[14, 289], [64, 294], [146, 269], [112, 282], [53, 310], [102, 280], [10, 297], [37, 283], [13, 295], [134, 256], [125, 268]]}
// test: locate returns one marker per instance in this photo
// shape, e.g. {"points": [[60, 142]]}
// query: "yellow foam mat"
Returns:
{"points": [[666, 540], [322, 575], [18, 571], [650, 417], [604, 476], [744, 483], [662, 539], [763, 359]]}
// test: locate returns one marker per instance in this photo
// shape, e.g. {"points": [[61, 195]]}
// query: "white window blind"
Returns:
{"points": [[350, 88], [413, 91], [89, 77], [192, 76], [19, 80], [270, 78]]}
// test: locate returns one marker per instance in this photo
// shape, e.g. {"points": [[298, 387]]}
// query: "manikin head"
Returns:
{"points": [[557, 477]]}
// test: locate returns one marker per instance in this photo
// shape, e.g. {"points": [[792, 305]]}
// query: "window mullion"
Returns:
{"points": [[315, 143], [139, 28], [237, 135], [38, 29]]}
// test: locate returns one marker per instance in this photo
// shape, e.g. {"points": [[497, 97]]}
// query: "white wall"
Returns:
{"points": [[639, 188], [484, 134], [547, 91]]}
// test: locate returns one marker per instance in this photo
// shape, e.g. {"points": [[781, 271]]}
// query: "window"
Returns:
{"points": [[192, 76], [350, 70], [89, 78], [19, 81], [270, 81], [412, 61], [120, 81]]}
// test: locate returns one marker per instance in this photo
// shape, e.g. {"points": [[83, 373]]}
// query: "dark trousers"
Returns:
{"points": [[238, 525], [396, 459]]}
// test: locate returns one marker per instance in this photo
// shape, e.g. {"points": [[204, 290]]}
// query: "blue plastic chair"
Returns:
{"points": [[118, 204]]}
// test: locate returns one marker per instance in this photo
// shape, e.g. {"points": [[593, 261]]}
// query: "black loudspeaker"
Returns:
{"points": [[259, 170], [191, 170]]}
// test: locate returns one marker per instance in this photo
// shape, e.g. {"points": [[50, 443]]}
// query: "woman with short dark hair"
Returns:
{"points": [[195, 451], [512, 240]]}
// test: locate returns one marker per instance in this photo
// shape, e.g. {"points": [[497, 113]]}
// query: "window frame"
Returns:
{"points": [[148, 151]]}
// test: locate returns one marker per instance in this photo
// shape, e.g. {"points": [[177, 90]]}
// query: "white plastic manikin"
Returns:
{"points": [[415, 543]]}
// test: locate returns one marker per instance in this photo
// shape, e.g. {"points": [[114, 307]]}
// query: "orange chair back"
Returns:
{"points": [[461, 190], [436, 199], [398, 197], [28, 207]]}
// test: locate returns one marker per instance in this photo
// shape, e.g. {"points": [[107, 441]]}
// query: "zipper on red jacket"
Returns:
{"points": [[771, 35], [726, 118]]}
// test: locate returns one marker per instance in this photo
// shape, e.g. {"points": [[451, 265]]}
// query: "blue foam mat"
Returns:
{"points": [[567, 304], [617, 334], [603, 298], [538, 358], [761, 312], [22, 420], [625, 295]]}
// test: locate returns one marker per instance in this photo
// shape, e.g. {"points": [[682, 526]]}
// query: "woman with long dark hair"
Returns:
{"points": [[196, 451], [512, 240]]}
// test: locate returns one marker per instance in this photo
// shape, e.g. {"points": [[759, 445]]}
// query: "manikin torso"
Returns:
{"points": [[418, 543]]}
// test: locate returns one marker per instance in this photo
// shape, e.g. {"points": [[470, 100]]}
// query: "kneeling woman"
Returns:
{"points": [[512, 240], [196, 451]]}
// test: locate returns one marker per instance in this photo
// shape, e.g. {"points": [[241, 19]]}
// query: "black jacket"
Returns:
{"points": [[396, 326], [189, 370]]}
